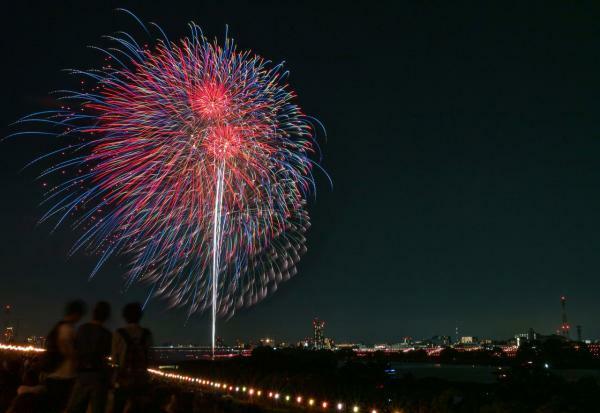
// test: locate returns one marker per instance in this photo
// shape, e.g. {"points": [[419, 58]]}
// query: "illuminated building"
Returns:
{"points": [[532, 335], [9, 335], [306, 343], [468, 340], [564, 327], [440, 340], [528, 337], [267, 342], [220, 342], [36, 341], [318, 337], [509, 351], [594, 349]]}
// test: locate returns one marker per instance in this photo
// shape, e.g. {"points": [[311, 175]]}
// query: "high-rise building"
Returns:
{"points": [[318, 336], [528, 337], [521, 338], [8, 331], [531, 335], [36, 341], [564, 327]]}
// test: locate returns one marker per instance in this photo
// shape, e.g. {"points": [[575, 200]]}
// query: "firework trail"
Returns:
{"points": [[192, 159]]}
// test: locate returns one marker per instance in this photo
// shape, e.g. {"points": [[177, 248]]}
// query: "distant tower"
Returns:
{"points": [[579, 334], [8, 332], [318, 338], [564, 327]]}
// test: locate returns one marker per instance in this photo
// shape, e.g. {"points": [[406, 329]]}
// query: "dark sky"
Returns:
{"points": [[463, 143]]}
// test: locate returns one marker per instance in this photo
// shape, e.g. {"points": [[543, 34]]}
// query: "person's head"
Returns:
{"points": [[132, 313], [74, 310], [101, 312]]}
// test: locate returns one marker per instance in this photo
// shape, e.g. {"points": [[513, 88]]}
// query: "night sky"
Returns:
{"points": [[463, 142]]}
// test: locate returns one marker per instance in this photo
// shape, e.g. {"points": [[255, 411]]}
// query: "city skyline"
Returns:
{"points": [[319, 339]]}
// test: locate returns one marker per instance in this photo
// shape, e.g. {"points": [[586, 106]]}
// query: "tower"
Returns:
{"points": [[564, 327], [8, 332], [318, 338]]}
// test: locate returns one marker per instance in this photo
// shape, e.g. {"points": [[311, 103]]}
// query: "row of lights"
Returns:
{"points": [[251, 391], [23, 349]]}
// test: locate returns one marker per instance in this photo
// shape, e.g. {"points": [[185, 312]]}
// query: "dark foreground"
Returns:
{"points": [[19, 394], [523, 385], [335, 376]]}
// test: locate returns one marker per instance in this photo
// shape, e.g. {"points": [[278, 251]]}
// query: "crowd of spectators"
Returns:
{"points": [[87, 368]]}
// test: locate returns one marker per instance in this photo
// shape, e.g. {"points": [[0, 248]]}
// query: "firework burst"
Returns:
{"points": [[194, 161]]}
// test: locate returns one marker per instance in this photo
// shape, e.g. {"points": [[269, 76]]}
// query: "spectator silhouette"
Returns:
{"points": [[60, 358], [92, 346], [31, 383], [130, 354], [9, 381]]}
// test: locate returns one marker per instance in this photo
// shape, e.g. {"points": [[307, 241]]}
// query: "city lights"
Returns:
{"points": [[24, 349], [273, 395]]}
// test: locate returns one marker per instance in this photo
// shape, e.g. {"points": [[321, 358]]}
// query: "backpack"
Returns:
{"points": [[52, 357], [133, 371]]}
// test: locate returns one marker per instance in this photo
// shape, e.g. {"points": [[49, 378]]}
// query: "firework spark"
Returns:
{"points": [[194, 161]]}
